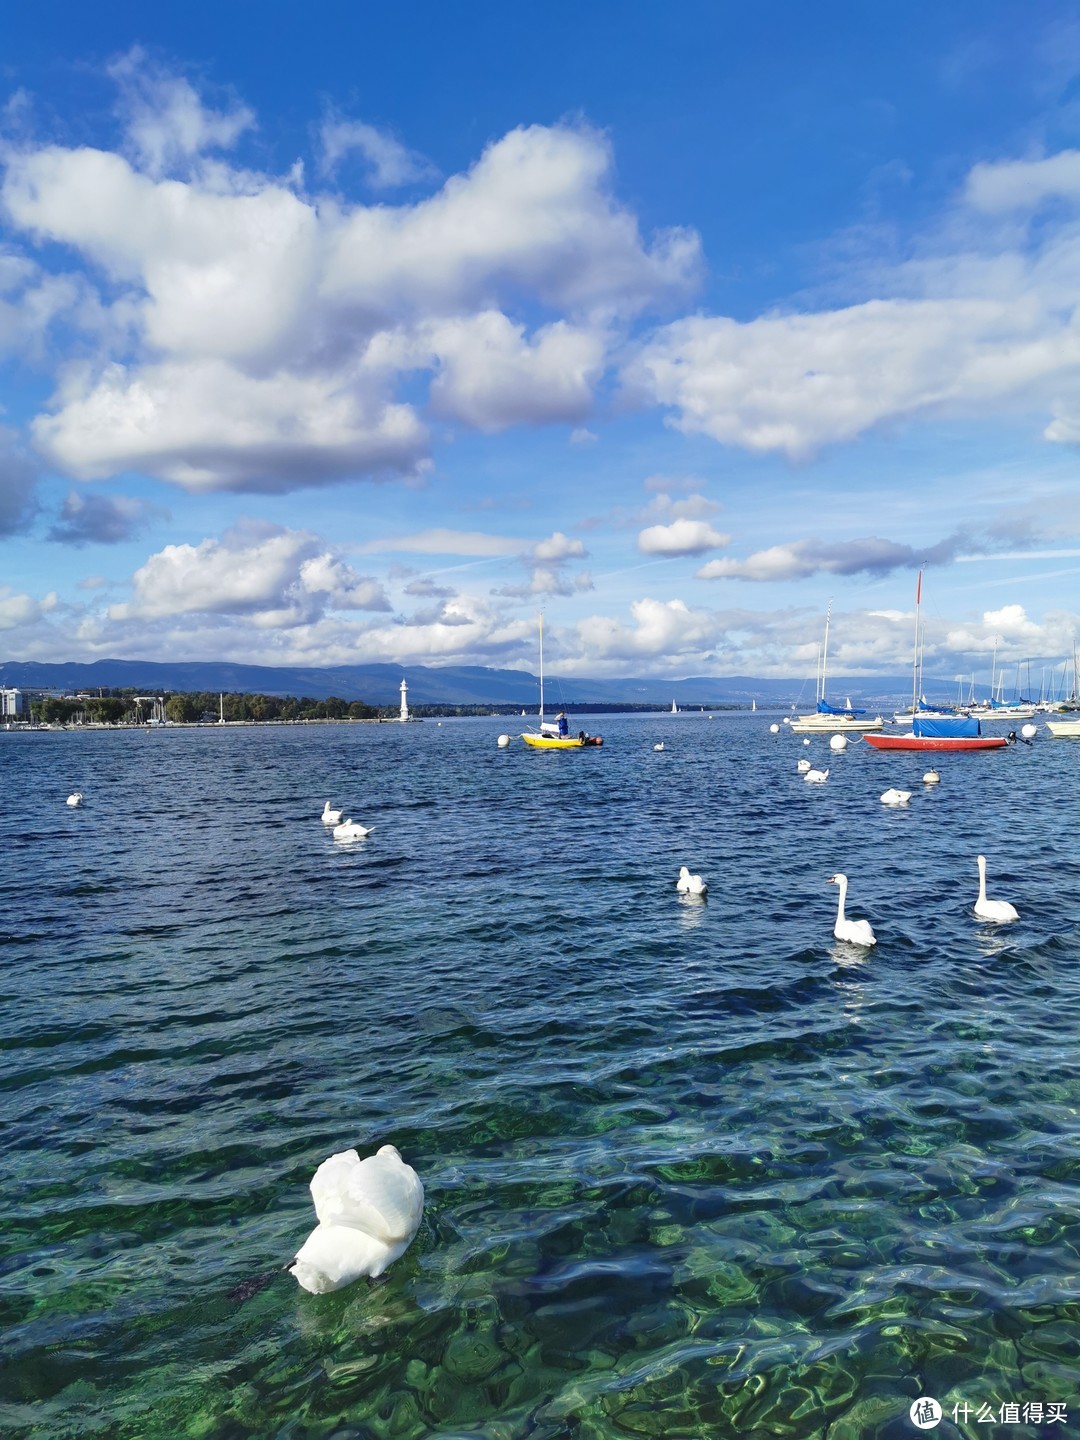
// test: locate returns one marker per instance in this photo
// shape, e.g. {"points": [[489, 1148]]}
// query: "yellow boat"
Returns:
{"points": [[560, 742], [543, 739]]}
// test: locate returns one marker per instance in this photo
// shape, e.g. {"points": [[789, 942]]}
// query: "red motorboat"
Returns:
{"points": [[926, 742], [945, 733]]}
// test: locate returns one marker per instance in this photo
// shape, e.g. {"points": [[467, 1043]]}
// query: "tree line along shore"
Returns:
{"points": [[128, 707]]}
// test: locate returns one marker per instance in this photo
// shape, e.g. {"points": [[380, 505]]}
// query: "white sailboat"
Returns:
{"points": [[826, 718], [674, 708]]}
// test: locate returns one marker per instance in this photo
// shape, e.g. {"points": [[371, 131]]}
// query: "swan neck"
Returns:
{"points": [[843, 895]]}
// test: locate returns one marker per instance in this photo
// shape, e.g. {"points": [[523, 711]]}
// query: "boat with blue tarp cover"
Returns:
{"points": [[960, 732]]}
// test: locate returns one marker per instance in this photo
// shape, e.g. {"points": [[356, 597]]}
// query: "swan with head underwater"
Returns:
{"points": [[999, 910], [856, 932], [368, 1212], [688, 884], [351, 830]]}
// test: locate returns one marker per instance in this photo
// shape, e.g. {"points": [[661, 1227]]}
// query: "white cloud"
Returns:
{"points": [[444, 542], [681, 537], [209, 426], [275, 578], [557, 547], [167, 123], [255, 336], [801, 558], [995, 189], [581, 436], [491, 377], [389, 162], [18, 610], [794, 383], [536, 210]]}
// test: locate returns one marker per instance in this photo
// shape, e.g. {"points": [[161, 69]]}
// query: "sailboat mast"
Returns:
{"points": [[825, 651], [915, 662], [541, 665]]}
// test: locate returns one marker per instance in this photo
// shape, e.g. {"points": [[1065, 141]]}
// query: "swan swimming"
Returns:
{"points": [[350, 830], [75, 798], [688, 884], [816, 777], [999, 910], [803, 766], [368, 1211], [660, 746], [330, 817], [895, 797], [858, 932]]}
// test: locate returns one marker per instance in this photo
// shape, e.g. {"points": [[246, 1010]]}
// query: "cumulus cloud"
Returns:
{"points": [[275, 578], [209, 426], [801, 558], [257, 337], [388, 161], [535, 211], [556, 548], [87, 519], [983, 322], [492, 377], [681, 537], [548, 580], [795, 383], [18, 610]]}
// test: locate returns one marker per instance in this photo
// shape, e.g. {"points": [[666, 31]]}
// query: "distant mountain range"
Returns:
{"points": [[449, 685]]}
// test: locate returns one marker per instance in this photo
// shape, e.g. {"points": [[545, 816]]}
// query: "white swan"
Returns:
{"points": [[858, 932], [75, 798], [688, 884], [330, 817], [999, 910], [803, 766], [816, 777], [931, 778], [350, 830], [369, 1210], [895, 797], [660, 746]]}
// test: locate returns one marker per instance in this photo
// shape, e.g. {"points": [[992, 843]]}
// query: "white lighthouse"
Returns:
{"points": [[404, 702]]}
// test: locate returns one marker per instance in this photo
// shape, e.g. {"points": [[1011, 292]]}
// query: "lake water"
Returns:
{"points": [[692, 1169]]}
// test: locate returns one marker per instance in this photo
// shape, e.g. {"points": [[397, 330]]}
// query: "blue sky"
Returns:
{"points": [[344, 333]]}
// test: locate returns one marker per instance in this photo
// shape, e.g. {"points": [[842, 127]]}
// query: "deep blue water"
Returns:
{"points": [[693, 1169]]}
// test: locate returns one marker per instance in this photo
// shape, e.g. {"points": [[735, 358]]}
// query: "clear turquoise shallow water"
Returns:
{"points": [[692, 1169]]}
